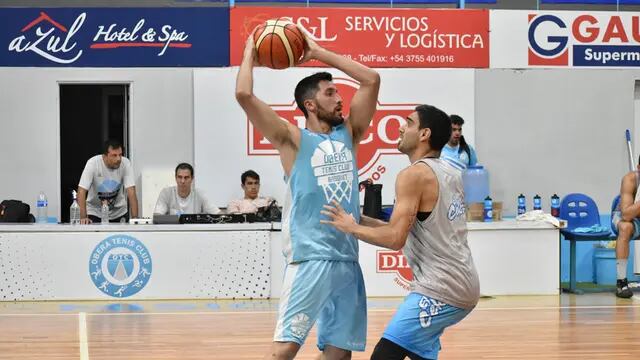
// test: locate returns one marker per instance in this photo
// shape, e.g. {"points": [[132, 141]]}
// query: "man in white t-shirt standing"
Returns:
{"points": [[182, 199], [104, 177]]}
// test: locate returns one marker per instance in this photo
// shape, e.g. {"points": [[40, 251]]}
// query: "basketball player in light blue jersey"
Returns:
{"points": [[428, 224], [323, 282]]}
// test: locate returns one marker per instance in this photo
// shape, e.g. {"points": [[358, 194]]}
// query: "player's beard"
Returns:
{"points": [[332, 118], [405, 145]]}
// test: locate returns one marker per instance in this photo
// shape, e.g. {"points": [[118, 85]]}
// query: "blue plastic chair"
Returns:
{"points": [[614, 207], [579, 210]]}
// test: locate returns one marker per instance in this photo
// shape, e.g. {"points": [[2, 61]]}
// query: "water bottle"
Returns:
{"points": [[522, 204], [555, 205], [475, 181], [488, 209], [105, 212], [41, 208], [74, 211], [537, 202]]}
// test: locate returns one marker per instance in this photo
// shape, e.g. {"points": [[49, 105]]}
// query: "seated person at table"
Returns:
{"points": [[250, 181], [182, 199]]}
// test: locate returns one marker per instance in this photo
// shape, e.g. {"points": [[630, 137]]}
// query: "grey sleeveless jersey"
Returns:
{"points": [[437, 249]]}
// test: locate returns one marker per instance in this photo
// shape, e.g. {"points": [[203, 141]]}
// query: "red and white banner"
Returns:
{"points": [[415, 38], [390, 261], [386, 272], [563, 39], [226, 144]]}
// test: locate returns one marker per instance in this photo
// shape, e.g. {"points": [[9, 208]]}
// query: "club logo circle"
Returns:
{"points": [[120, 266]]}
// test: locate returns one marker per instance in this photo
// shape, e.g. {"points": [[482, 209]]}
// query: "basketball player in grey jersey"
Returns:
{"points": [[428, 223]]}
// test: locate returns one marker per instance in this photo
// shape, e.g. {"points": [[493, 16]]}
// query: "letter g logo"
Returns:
{"points": [[556, 44]]}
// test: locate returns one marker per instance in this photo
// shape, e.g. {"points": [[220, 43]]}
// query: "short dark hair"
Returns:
{"points": [[184, 166], [438, 121], [456, 119], [308, 87], [112, 143], [249, 173]]}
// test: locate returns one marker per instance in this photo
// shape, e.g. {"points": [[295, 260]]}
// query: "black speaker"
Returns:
{"points": [[373, 200]]}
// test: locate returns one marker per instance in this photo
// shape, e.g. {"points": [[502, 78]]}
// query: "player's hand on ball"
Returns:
{"points": [[340, 219], [311, 48], [250, 50]]}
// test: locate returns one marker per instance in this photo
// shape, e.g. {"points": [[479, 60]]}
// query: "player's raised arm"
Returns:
{"points": [[363, 103], [279, 132]]}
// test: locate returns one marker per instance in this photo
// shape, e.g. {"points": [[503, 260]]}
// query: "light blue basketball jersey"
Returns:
{"points": [[460, 156], [325, 169]]}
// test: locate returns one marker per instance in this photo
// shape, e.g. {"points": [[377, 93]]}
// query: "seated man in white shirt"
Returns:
{"points": [[182, 199], [251, 201]]}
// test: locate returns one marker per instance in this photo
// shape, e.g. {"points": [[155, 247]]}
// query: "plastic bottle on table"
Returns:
{"points": [[41, 208], [537, 202], [488, 209], [74, 210], [104, 212], [555, 205], [522, 204]]}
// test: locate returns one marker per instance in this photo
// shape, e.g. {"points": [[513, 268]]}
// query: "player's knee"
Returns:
{"points": [[342, 356], [625, 230], [284, 351], [282, 355], [334, 353]]}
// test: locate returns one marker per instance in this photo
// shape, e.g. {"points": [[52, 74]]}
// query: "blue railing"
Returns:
{"points": [[460, 3], [593, 2]]}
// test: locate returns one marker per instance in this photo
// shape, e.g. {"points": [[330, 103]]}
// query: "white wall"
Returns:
{"points": [[161, 124], [554, 131], [538, 131]]}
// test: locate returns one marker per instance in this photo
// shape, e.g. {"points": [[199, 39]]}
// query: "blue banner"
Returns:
{"points": [[606, 55], [356, 2], [115, 37], [602, 2]]}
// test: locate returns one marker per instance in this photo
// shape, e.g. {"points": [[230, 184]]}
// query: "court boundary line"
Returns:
{"points": [[82, 336], [249, 312]]}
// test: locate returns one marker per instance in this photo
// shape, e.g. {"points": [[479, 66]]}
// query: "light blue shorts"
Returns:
{"points": [[331, 292], [615, 219], [419, 323]]}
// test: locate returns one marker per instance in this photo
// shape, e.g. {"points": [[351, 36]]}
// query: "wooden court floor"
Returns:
{"points": [[591, 326]]}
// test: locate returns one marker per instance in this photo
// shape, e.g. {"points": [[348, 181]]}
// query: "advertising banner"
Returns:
{"points": [[565, 39], [114, 37], [415, 38]]}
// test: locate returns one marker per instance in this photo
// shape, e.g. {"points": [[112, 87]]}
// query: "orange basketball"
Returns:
{"points": [[279, 43]]}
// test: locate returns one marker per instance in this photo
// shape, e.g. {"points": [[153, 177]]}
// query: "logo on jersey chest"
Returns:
{"points": [[332, 164]]}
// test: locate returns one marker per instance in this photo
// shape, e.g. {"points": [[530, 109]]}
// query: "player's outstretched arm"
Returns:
{"points": [[363, 103], [394, 234], [279, 132], [372, 222]]}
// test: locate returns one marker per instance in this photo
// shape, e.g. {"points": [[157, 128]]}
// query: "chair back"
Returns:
{"points": [[579, 210], [615, 208], [615, 204]]}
